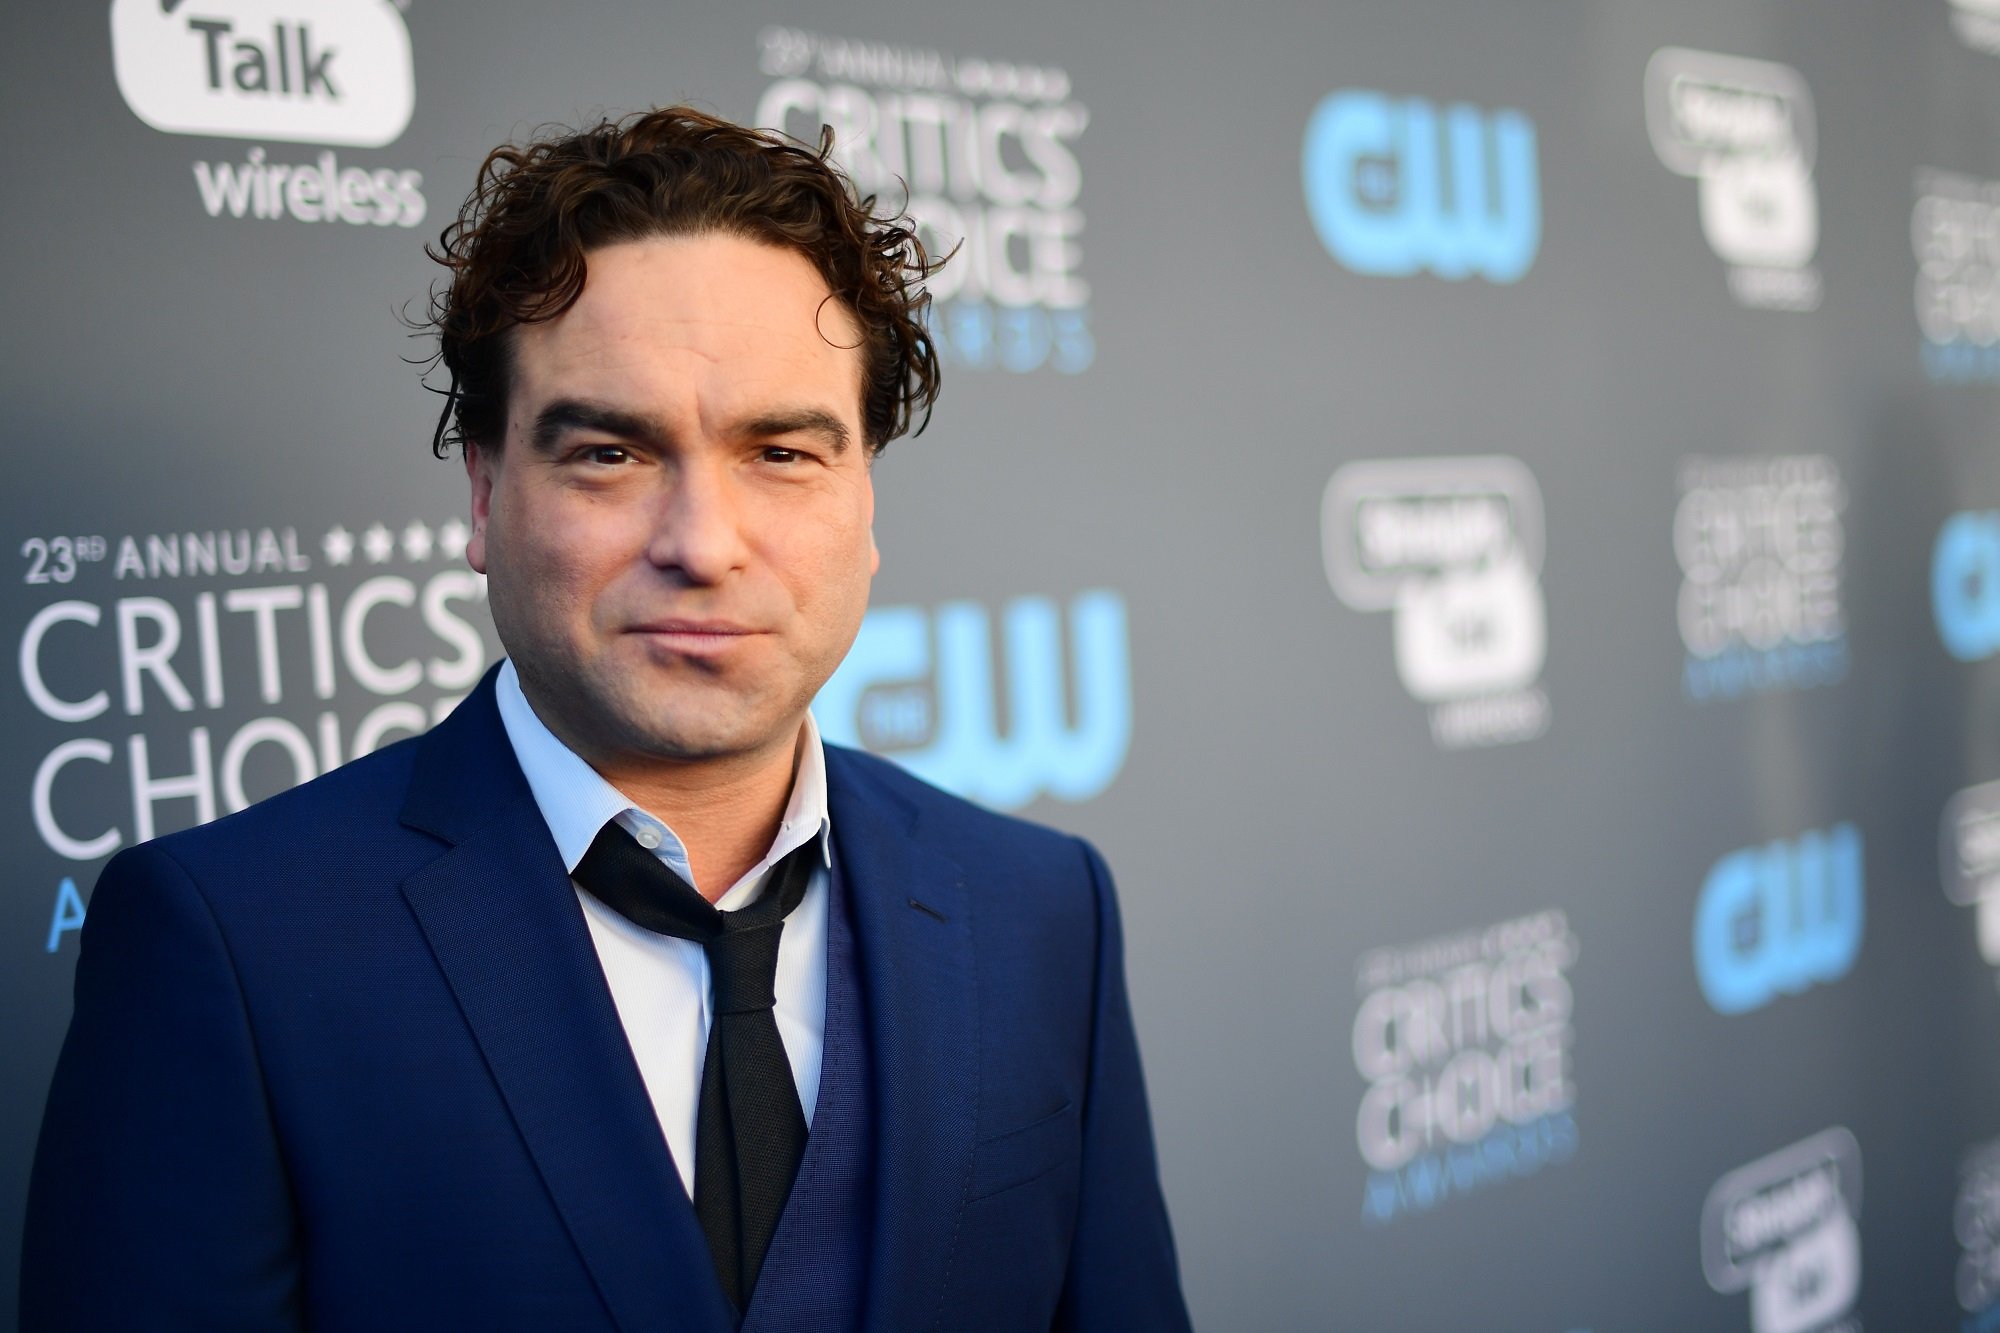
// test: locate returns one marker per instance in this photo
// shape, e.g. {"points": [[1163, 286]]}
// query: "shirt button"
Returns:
{"points": [[649, 838]]}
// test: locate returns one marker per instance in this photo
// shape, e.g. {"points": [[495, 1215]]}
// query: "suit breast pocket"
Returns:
{"points": [[1025, 1154]]}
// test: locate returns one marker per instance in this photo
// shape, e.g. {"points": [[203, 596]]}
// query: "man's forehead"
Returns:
{"points": [[712, 311], [713, 283]]}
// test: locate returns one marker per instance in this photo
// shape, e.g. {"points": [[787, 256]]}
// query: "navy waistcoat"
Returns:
{"points": [[816, 1271]]}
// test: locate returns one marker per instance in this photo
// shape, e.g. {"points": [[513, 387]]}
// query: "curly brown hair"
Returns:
{"points": [[518, 250]]}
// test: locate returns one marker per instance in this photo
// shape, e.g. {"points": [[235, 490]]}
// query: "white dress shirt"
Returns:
{"points": [[660, 983]]}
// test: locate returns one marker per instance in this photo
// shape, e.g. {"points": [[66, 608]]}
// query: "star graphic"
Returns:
{"points": [[451, 537], [378, 543], [417, 541], [338, 545]]}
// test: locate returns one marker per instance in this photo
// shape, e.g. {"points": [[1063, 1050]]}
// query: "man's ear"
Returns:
{"points": [[479, 468]]}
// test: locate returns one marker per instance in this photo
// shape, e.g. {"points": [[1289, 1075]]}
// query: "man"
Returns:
{"points": [[619, 1000]]}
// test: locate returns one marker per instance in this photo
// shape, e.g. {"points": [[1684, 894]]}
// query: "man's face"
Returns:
{"points": [[677, 530]]}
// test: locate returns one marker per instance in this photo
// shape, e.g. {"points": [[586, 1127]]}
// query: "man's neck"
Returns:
{"points": [[724, 810], [725, 813]]}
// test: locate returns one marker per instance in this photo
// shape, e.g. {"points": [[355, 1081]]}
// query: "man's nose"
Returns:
{"points": [[698, 528]]}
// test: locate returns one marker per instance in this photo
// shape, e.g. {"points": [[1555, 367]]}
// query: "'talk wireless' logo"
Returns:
{"points": [[1452, 546], [302, 71], [1785, 1227], [1778, 919], [936, 711], [1395, 186], [334, 72], [1745, 130]]}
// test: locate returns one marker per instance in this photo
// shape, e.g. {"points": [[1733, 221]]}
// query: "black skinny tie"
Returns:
{"points": [[749, 1130]]}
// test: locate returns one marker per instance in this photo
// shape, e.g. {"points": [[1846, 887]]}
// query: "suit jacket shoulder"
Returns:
{"points": [[1039, 860]]}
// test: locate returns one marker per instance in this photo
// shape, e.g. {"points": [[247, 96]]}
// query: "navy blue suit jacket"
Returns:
{"points": [[348, 1060]]}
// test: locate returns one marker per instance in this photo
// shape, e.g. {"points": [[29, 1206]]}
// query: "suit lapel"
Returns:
{"points": [[505, 927], [921, 1001]]}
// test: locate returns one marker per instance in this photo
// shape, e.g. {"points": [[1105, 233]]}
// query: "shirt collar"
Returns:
{"points": [[576, 802]]}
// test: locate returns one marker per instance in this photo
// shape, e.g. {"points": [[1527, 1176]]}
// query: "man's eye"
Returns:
{"points": [[777, 454], [607, 453]]}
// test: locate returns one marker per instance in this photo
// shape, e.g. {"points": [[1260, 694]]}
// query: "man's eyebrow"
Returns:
{"points": [[568, 414], [799, 420]]}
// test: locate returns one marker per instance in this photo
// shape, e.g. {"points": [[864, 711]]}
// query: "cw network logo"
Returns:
{"points": [[1965, 585], [918, 687], [1785, 1228], [1779, 918], [1453, 546], [335, 72], [1745, 130], [1394, 186]]}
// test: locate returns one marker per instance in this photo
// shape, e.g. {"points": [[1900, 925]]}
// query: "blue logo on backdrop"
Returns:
{"points": [[1779, 918], [936, 712], [1965, 585], [1395, 186]]}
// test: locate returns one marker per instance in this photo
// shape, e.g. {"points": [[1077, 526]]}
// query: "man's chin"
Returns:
{"points": [[699, 738]]}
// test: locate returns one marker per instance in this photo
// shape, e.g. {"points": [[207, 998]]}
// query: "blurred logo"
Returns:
{"points": [[1744, 129], [1977, 23], [1465, 1043], [985, 152], [1965, 585], [1453, 547], [1976, 1222], [1784, 1227], [1955, 229], [1396, 185], [918, 687], [303, 71], [1779, 918], [1759, 542], [1969, 854]]}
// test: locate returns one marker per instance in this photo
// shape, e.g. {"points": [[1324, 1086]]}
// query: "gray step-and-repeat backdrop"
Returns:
{"points": [[1489, 513]]}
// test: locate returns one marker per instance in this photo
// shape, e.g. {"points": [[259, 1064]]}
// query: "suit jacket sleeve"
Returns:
{"points": [[158, 1198], [1122, 1271]]}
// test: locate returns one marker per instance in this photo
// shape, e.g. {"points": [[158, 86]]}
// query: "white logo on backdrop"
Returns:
{"points": [[1977, 23], [1760, 541], [986, 152], [1784, 1227], [1744, 129], [303, 71], [1453, 548], [1976, 1223], [1969, 855], [1465, 1043], [334, 72], [147, 641], [1955, 232]]}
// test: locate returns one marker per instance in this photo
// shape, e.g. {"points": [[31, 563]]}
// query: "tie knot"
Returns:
{"points": [[743, 964], [742, 946]]}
